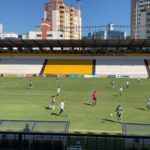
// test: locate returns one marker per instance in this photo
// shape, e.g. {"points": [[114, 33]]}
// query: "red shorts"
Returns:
{"points": [[94, 98]]}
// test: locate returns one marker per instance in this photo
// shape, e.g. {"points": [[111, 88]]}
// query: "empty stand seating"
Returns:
{"points": [[76, 66], [121, 66], [134, 67], [20, 65]]}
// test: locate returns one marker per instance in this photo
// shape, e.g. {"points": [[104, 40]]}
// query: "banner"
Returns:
{"points": [[103, 76], [10, 75], [111, 76], [30, 75]]}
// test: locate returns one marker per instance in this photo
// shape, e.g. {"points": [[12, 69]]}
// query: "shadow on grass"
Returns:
{"points": [[141, 108], [108, 120], [116, 95], [47, 108], [55, 114], [88, 104]]}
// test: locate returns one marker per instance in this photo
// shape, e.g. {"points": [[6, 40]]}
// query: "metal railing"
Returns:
{"points": [[58, 141]]}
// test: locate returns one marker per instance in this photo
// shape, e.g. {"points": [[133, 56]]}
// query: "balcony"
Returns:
{"points": [[62, 7], [71, 20], [62, 15], [71, 9], [62, 11]]}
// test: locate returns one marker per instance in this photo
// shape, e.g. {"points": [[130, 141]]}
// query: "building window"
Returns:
{"points": [[61, 35], [38, 35], [49, 35], [143, 10], [148, 31]]}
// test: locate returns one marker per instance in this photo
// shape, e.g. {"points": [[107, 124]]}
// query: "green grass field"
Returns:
{"points": [[17, 102]]}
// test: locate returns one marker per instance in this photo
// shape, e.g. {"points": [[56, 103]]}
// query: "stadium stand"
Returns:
{"points": [[132, 67], [93, 57], [118, 66], [77, 66], [20, 65]]}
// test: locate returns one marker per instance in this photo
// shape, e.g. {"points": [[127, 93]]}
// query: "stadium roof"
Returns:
{"points": [[74, 43]]}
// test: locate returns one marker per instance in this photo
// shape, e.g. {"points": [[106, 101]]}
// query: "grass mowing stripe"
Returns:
{"points": [[19, 103]]}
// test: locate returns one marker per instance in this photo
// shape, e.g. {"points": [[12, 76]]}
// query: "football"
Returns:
{"points": [[111, 115]]}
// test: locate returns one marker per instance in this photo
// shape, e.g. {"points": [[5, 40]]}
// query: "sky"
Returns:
{"points": [[21, 16]]}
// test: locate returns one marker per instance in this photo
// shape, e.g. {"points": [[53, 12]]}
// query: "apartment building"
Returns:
{"points": [[62, 18], [140, 19]]}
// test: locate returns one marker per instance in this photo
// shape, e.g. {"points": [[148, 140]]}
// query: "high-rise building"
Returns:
{"points": [[140, 19], [1, 28], [59, 17]]}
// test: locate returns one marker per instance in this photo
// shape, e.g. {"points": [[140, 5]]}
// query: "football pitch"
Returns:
{"points": [[18, 102]]}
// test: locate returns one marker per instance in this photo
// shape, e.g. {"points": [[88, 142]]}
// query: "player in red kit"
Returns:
{"points": [[94, 98]]}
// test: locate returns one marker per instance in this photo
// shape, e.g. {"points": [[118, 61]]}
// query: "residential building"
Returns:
{"points": [[60, 18], [140, 19], [109, 33], [49, 35], [7, 35]]}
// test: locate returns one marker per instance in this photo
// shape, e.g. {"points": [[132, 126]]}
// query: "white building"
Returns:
{"points": [[49, 35], [140, 19], [24, 36], [8, 35], [109, 33]]}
